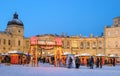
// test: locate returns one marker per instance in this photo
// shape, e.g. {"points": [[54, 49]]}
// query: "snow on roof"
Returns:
{"points": [[77, 55], [15, 51], [85, 54], [66, 53], [100, 55], [112, 55], [4, 54]]}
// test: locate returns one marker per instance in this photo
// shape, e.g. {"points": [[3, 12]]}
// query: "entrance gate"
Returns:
{"points": [[56, 45]]}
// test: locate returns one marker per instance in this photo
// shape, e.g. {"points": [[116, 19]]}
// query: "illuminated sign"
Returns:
{"points": [[33, 40]]}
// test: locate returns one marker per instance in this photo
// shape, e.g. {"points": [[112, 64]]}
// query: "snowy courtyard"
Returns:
{"points": [[50, 70]]}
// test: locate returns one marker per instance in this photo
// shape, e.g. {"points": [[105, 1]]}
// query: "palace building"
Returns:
{"points": [[109, 43]]}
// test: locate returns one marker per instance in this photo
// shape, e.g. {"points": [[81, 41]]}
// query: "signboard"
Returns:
{"points": [[33, 40], [42, 42], [58, 41]]}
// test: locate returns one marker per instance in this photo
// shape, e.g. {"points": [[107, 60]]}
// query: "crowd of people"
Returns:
{"points": [[71, 62], [68, 62]]}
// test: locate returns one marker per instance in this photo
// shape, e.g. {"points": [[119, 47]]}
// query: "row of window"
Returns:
{"points": [[82, 44], [68, 47], [4, 42]]}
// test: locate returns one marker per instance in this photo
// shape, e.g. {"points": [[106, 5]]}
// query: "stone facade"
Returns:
{"points": [[13, 39]]}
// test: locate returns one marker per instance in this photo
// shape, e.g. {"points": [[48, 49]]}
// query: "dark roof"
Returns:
{"points": [[15, 20]]}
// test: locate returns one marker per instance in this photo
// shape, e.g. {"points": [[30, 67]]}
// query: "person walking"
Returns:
{"points": [[100, 62], [91, 62], [97, 62], [70, 62], [77, 62], [113, 62], [88, 62]]}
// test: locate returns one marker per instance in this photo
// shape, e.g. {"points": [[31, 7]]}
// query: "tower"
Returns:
{"points": [[15, 27]]}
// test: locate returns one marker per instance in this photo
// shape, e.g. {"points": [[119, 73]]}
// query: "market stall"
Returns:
{"points": [[84, 58], [100, 56], [112, 59], [16, 57]]}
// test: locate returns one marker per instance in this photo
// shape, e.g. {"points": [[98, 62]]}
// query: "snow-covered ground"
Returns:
{"points": [[50, 70]]}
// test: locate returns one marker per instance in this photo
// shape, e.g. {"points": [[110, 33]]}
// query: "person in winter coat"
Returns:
{"points": [[77, 62], [70, 62], [97, 63], [100, 62], [91, 62], [113, 62], [88, 62]]}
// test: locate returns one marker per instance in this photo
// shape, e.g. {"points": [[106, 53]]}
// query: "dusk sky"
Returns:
{"points": [[74, 17]]}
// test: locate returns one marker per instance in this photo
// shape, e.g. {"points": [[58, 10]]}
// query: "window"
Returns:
{"points": [[9, 42], [116, 32], [0, 41], [81, 45], [68, 44], [88, 45], [4, 48], [116, 43], [94, 45], [108, 33], [19, 43], [101, 43], [4, 41], [19, 31]]}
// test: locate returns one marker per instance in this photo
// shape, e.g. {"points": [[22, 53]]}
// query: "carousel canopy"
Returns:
{"points": [[14, 52], [85, 54], [100, 55]]}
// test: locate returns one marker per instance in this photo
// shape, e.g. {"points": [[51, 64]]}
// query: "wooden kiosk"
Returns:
{"points": [[16, 57], [84, 57], [100, 56]]}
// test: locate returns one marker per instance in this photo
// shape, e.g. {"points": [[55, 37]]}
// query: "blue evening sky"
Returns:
{"points": [[74, 17]]}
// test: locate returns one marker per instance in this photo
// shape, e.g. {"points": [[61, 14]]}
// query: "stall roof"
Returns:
{"points": [[66, 53], [14, 51], [100, 55], [85, 54], [112, 55], [4, 54]]}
